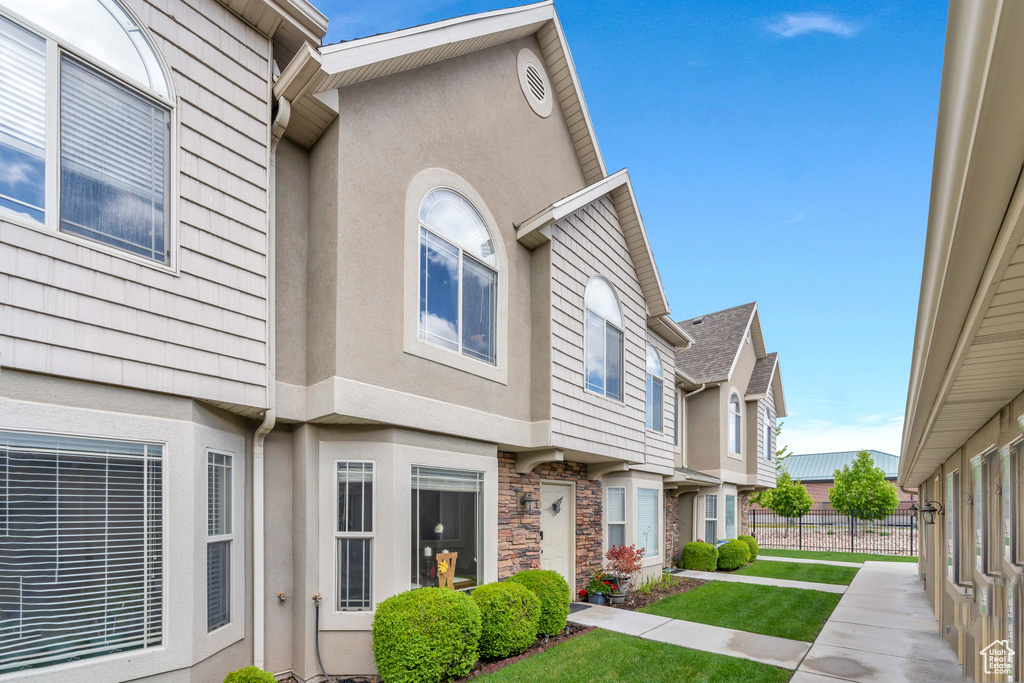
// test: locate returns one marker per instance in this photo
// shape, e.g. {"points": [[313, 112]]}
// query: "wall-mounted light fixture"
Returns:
{"points": [[528, 502], [928, 511]]}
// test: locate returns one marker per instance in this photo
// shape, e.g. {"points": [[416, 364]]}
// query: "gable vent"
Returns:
{"points": [[698, 321], [533, 79]]}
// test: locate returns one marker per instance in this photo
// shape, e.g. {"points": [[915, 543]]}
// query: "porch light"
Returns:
{"points": [[928, 511], [528, 502]]}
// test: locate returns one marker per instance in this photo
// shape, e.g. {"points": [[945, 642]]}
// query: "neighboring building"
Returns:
{"points": [[731, 395], [817, 471], [962, 435]]}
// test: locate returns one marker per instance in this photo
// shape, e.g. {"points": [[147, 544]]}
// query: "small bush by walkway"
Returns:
{"points": [[604, 656], [798, 571], [832, 555], [774, 611]]}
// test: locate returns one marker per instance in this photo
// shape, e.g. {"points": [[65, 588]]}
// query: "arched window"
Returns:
{"points": [[655, 391], [767, 437], [102, 173], [458, 276], [602, 339], [735, 424]]}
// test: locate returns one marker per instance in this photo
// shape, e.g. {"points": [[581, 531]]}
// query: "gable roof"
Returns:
{"points": [[761, 376], [535, 230], [718, 338], [822, 466], [385, 54]]}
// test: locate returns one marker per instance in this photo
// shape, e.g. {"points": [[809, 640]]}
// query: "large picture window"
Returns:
{"points": [[104, 173], [616, 516], [219, 537], [766, 435], [648, 533], [458, 277], [81, 548], [602, 332], [447, 517], [655, 391], [354, 536]]}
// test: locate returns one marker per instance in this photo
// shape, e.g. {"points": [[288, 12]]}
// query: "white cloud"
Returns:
{"points": [[792, 25], [876, 432]]}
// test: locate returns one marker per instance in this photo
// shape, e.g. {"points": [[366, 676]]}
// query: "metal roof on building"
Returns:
{"points": [[822, 466]]}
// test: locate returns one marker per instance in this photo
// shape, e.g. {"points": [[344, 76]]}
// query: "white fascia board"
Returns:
{"points": [[304, 15], [297, 76], [739, 349], [650, 252], [571, 204], [363, 51], [671, 331], [777, 394]]}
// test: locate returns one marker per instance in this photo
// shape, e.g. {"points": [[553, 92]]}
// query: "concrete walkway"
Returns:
{"points": [[803, 560], [882, 630], [781, 652], [761, 581]]}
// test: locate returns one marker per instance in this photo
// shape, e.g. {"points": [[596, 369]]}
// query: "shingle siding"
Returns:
{"points": [[72, 310], [661, 447], [766, 468]]}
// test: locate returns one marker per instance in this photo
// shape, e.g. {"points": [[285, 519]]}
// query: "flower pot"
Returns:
{"points": [[617, 598], [596, 599]]}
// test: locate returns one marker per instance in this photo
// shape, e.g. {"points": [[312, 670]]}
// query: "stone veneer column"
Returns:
{"points": [[744, 509], [672, 548], [519, 530]]}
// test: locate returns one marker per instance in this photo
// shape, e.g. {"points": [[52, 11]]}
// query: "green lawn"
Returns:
{"points": [[793, 613], [606, 656], [834, 556], [799, 571]]}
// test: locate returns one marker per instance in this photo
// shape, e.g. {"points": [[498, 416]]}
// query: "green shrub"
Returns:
{"points": [[700, 556], [554, 596], [751, 544], [509, 614], [427, 634], [250, 674], [733, 555]]}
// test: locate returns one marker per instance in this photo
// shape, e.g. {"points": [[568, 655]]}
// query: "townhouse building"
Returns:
{"points": [[965, 410], [283, 321]]}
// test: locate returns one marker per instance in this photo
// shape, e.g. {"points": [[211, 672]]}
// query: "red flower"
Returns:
{"points": [[583, 593]]}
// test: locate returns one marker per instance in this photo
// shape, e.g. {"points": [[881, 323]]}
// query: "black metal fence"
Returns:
{"points": [[831, 530]]}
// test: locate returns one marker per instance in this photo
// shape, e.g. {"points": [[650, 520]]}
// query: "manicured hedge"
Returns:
{"points": [[428, 634], [554, 596], [509, 614], [751, 544], [700, 556], [733, 555], [250, 674]]}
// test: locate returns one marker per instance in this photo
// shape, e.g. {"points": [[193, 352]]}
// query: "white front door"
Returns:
{"points": [[557, 522]]}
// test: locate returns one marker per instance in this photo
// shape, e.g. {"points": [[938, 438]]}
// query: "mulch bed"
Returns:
{"points": [[633, 602], [484, 668]]}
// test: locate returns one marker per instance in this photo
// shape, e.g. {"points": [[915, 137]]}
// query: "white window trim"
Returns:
{"points": [[767, 446], [647, 398], [424, 182], [220, 538], [604, 337], [611, 522], [714, 519], [232, 631], [51, 225], [338, 535], [733, 423]]}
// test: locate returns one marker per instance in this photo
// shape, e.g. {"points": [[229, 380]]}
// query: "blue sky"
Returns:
{"points": [[780, 152]]}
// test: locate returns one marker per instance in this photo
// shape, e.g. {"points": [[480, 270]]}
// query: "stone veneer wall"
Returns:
{"points": [[519, 530], [672, 547]]}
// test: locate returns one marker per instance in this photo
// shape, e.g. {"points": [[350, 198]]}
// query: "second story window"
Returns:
{"points": [[735, 424], [767, 436], [84, 125], [602, 332], [458, 277], [655, 391]]}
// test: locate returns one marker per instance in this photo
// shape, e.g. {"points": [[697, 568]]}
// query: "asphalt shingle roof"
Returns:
{"points": [[761, 376], [822, 466], [717, 338]]}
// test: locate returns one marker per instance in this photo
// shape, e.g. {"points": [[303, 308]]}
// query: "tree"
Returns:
{"points": [[861, 491], [782, 453], [789, 498]]}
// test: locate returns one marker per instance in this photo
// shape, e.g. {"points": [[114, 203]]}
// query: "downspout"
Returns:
{"points": [[682, 439], [277, 128]]}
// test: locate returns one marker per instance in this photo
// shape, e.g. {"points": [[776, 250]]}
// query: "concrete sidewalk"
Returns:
{"points": [[780, 652], [802, 560], [882, 630], [761, 581]]}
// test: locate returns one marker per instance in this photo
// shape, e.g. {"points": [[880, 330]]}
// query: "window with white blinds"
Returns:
{"points": [[81, 548], [106, 167], [711, 518], [219, 538], [647, 532], [730, 516], [354, 536], [616, 516], [447, 516]]}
